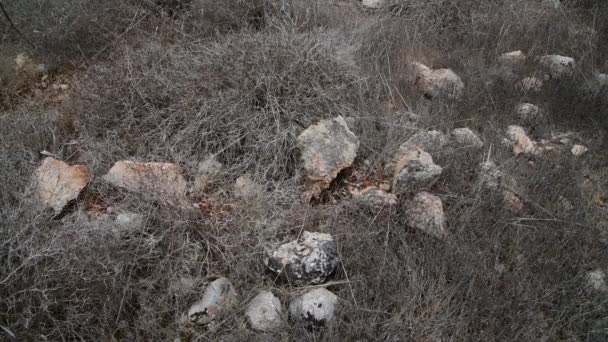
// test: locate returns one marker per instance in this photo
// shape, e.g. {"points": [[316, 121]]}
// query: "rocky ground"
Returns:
{"points": [[304, 171]]}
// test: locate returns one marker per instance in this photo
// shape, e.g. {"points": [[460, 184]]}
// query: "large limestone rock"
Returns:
{"points": [[558, 66], [57, 183], [439, 83], [413, 168], [309, 260], [161, 180], [265, 312], [327, 148], [425, 213], [520, 141], [219, 297], [466, 137], [316, 307]]}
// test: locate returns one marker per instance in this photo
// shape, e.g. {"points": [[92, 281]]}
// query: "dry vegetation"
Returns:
{"points": [[178, 80]]}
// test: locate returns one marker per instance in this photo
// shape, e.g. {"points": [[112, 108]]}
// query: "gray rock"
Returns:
{"points": [[372, 4], [374, 197], [490, 175], [597, 280], [413, 168], [527, 111], [425, 213], [56, 183], [558, 66], [520, 142], [578, 150], [246, 188], [309, 260], [315, 307], [265, 312], [127, 222], [327, 148], [438, 83], [219, 297], [465, 137], [425, 140]]}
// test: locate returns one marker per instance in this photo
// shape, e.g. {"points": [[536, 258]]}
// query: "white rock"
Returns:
{"points": [[439, 83], [490, 175], [527, 111], [597, 280], [265, 312], [558, 66], [309, 260], [316, 307], [161, 180], [57, 183], [219, 297], [374, 197], [327, 148], [206, 171], [512, 58], [425, 213], [578, 150], [530, 84], [520, 141], [413, 168], [372, 4], [464, 136]]}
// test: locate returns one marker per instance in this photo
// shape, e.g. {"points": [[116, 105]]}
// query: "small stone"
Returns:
{"points": [[558, 66], [316, 307], [265, 312], [57, 183], [372, 4], [512, 58], [309, 260], [597, 280], [527, 111], [425, 212], [327, 148], [414, 168], [578, 150], [127, 222], [490, 175], [425, 140], [161, 180], [219, 297], [530, 85], [520, 142], [466, 137], [246, 188], [512, 202], [439, 83], [374, 197]]}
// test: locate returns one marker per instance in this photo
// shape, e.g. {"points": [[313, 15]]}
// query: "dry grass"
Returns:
{"points": [[240, 81]]}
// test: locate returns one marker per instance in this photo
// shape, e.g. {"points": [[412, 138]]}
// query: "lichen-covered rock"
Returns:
{"points": [[57, 183], [425, 212], [520, 141], [465, 137], [527, 111], [413, 168], [597, 280], [578, 150], [219, 297], [558, 66], [316, 307], [309, 260], [374, 197], [439, 83], [265, 312], [327, 148], [160, 180]]}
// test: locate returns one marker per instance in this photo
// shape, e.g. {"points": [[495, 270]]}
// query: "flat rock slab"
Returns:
{"points": [[56, 183], [309, 260], [327, 148], [161, 180]]}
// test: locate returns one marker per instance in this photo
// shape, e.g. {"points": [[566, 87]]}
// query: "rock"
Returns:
{"points": [[558, 66], [327, 148], [309, 260], [160, 180], [317, 307], [374, 197], [219, 297], [512, 202], [425, 213], [127, 222], [425, 140], [206, 171], [439, 83], [466, 137], [513, 58], [490, 175], [509, 65], [265, 312], [372, 4], [597, 280], [530, 85], [527, 111], [578, 150], [520, 142], [57, 183], [413, 168], [246, 188]]}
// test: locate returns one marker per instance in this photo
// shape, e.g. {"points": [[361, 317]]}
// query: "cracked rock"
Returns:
{"points": [[309, 260]]}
